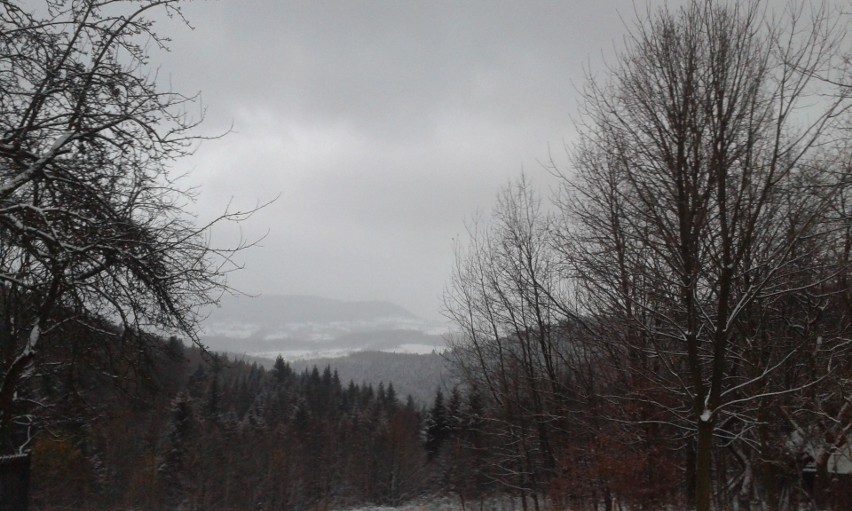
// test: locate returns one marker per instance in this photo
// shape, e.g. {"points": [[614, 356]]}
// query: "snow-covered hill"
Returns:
{"points": [[309, 327]]}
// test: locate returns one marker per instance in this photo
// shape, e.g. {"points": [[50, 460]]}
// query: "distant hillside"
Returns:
{"points": [[301, 327], [411, 374], [303, 309], [297, 344]]}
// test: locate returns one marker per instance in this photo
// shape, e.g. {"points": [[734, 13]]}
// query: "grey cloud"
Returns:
{"points": [[383, 125]]}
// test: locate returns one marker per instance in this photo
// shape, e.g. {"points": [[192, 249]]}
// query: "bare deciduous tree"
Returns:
{"points": [[700, 203], [507, 297], [93, 224], [704, 238]]}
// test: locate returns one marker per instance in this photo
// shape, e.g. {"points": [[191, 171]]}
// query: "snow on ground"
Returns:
{"points": [[415, 507], [449, 504]]}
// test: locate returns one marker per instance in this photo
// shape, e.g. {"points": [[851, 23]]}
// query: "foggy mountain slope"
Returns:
{"points": [[305, 309], [303, 327], [319, 341], [417, 375]]}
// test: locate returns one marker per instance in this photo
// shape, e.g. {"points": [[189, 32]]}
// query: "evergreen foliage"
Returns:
{"points": [[218, 434]]}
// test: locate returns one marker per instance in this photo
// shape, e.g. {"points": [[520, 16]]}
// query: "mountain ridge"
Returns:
{"points": [[305, 326], [305, 309]]}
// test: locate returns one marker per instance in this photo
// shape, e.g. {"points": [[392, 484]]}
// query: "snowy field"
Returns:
{"points": [[448, 504]]}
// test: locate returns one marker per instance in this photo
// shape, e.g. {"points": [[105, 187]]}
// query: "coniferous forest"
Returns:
{"points": [[203, 432]]}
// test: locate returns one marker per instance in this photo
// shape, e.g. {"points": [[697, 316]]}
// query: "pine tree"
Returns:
{"points": [[436, 426], [176, 466], [213, 402], [281, 371], [454, 411], [195, 386], [390, 397]]}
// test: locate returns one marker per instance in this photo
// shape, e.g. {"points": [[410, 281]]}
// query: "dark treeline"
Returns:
{"points": [[208, 433]]}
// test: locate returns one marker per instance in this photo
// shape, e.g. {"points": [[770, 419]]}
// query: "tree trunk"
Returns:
{"points": [[704, 467], [689, 489], [822, 481], [15, 482]]}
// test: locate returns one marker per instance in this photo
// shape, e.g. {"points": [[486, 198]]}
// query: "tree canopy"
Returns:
{"points": [[94, 228]]}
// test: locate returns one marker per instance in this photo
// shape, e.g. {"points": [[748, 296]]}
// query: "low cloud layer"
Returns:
{"points": [[381, 125]]}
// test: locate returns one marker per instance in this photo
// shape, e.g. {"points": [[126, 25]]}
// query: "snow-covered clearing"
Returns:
{"points": [[449, 504]]}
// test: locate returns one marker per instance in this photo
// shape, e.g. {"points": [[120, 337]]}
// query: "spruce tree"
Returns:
{"points": [[436, 425]]}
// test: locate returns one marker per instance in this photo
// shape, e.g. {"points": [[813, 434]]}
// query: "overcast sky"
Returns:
{"points": [[382, 126]]}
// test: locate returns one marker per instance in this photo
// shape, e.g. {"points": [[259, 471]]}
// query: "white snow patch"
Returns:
{"points": [[35, 333], [447, 504], [294, 355], [60, 141], [231, 330]]}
